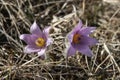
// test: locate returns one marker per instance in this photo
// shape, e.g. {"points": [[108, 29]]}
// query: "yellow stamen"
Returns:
{"points": [[40, 42], [76, 38]]}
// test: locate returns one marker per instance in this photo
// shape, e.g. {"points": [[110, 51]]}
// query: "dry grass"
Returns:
{"points": [[16, 16]]}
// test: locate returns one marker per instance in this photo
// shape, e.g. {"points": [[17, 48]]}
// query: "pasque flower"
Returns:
{"points": [[80, 40], [37, 41]]}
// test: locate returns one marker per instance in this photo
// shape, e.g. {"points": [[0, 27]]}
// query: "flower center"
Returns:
{"points": [[40, 42], [76, 38]]}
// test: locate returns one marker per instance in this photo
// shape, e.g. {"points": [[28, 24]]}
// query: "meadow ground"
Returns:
{"points": [[16, 17]]}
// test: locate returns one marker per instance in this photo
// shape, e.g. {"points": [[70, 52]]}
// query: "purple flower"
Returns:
{"points": [[80, 41], [37, 41]]}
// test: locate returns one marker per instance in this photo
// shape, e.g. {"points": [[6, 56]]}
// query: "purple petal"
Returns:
{"points": [[31, 49], [46, 31], [70, 37], [90, 41], [87, 30], [33, 38], [86, 51], [49, 41], [74, 31], [83, 49], [77, 27], [26, 38], [78, 46], [86, 40], [71, 51], [29, 39], [41, 52], [35, 29]]}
